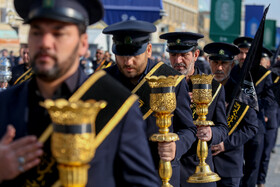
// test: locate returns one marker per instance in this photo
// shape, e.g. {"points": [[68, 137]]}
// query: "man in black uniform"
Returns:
{"points": [[243, 125], [57, 38], [101, 62], [183, 52], [271, 124], [22, 72], [262, 81], [133, 49]]}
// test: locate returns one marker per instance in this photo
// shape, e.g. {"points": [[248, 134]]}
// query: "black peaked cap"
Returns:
{"points": [[243, 42], [73, 11], [181, 42], [221, 51], [266, 52], [130, 37]]}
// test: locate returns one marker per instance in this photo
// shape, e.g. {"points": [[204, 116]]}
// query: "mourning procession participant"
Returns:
{"points": [[99, 58], [108, 58], [271, 124], [275, 73], [101, 62], [265, 60], [57, 39], [228, 155], [132, 49], [262, 81], [183, 52], [22, 72]]}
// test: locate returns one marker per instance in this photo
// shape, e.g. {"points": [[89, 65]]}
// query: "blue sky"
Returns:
{"points": [[273, 12]]}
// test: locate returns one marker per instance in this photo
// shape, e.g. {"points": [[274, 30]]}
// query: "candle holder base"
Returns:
{"points": [[169, 137], [203, 123], [203, 174]]}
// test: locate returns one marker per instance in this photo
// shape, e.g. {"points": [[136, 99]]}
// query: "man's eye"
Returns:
{"points": [[36, 33], [58, 34]]}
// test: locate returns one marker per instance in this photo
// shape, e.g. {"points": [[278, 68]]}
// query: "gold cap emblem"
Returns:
{"points": [[127, 40], [178, 41], [221, 52], [48, 3]]}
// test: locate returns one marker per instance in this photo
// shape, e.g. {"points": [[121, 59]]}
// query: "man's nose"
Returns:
{"points": [[220, 67], [46, 40], [178, 59], [128, 60]]}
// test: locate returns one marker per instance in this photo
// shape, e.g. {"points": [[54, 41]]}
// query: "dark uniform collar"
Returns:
{"points": [[72, 82], [149, 66], [65, 90]]}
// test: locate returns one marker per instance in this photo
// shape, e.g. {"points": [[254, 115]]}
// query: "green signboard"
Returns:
{"points": [[225, 20], [269, 37]]}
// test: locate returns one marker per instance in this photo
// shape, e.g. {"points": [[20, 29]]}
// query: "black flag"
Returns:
{"points": [[244, 91]]}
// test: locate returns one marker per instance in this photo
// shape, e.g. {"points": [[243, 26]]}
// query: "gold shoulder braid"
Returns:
{"points": [[276, 80], [24, 77], [264, 76]]}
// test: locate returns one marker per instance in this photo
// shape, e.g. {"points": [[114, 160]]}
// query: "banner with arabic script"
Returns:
{"points": [[236, 114]]}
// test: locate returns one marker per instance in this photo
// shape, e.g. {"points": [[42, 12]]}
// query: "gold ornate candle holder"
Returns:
{"points": [[202, 96], [163, 103], [72, 141]]}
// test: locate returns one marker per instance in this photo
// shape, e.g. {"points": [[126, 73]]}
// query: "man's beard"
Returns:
{"points": [[241, 62], [221, 72], [56, 71], [188, 69]]}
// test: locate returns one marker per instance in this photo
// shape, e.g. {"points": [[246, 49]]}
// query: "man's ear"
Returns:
{"points": [[149, 50], [232, 64], [196, 54], [83, 44]]}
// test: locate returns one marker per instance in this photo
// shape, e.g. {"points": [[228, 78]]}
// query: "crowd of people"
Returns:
{"points": [[55, 64]]}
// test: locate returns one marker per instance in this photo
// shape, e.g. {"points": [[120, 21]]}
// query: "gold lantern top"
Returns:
{"points": [[202, 79], [162, 97], [72, 143], [162, 81], [202, 88], [70, 113]]}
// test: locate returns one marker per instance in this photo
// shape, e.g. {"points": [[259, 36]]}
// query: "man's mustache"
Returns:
{"points": [[179, 64], [219, 72], [126, 66], [45, 53]]}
